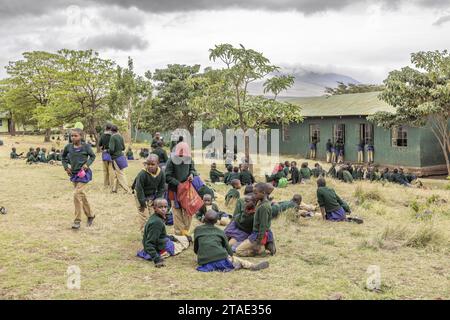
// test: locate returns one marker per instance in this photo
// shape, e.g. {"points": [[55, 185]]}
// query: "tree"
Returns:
{"points": [[242, 67], [34, 78], [343, 88], [421, 96], [172, 108], [85, 89], [133, 93]]}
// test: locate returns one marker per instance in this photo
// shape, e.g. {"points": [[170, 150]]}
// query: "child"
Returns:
{"points": [[32, 158], [305, 173], [76, 159], [240, 202], [246, 176], [261, 236], [30, 152], [227, 176], [161, 153], [360, 146], [313, 149], [233, 194], [295, 173], [52, 156], [213, 251], [331, 205], [317, 171], [130, 154], [14, 155], [370, 151], [116, 148], [242, 225], [208, 204], [332, 172], [386, 175], [150, 184], [214, 174], [42, 156], [329, 150], [157, 244], [235, 175], [286, 169], [296, 203], [277, 174]]}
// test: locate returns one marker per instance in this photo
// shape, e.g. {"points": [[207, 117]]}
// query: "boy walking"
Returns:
{"points": [[108, 171], [116, 149]]}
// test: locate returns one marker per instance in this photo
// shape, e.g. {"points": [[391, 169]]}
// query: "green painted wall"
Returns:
{"points": [[431, 151], [385, 154]]}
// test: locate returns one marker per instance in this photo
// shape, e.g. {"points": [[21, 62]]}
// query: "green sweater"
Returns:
{"points": [[305, 173], [347, 176], [247, 178], [215, 175], [148, 186], [226, 178], [162, 154], [154, 236], [262, 219], [116, 146], [201, 213], [178, 173], [104, 141], [282, 206], [232, 193], [14, 155], [328, 199], [210, 244], [275, 177], [77, 159]]}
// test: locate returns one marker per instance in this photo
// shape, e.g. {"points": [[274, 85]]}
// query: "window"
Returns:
{"points": [[339, 133], [1, 122], [314, 133], [399, 137], [366, 132], [285, 133]]}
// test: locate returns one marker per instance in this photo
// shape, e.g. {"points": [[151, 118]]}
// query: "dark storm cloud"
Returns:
{"points": [[23, 7], [117, 41]]}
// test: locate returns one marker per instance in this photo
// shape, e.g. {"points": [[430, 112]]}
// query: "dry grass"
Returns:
{"points": [[315, 259]]}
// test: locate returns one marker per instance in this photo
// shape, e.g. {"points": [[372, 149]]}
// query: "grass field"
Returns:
{"points": [[406, 233]]}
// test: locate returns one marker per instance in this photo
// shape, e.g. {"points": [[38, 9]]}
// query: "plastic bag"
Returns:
{"points": [[188, 198]]}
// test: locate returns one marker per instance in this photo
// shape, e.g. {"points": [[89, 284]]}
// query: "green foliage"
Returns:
{"points": [[343, 88], [421, 96]]}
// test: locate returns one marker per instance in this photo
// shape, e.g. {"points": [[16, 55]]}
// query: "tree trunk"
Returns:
{"points": [[12, 127], [128, 137], [48, 132]]}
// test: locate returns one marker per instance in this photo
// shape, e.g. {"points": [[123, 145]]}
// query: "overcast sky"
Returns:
{"points": [[361, 39]]}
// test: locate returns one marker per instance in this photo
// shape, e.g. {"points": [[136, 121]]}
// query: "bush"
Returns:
{"points": [[362, 196]]}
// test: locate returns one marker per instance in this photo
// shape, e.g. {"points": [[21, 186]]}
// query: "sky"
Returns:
{"points": [[358, 38]]}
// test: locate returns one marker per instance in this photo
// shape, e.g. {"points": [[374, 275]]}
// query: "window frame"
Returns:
{"points": [[363, 135], [335, 127], [399, 133], [285, 129], [314, 128]]}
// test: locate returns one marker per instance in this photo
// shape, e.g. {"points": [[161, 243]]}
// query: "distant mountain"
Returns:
{"points": [[307, 83]]}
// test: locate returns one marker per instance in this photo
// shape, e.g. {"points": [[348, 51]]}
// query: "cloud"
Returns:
{"points": [[120, 40], [9, 9], [442, 20]]}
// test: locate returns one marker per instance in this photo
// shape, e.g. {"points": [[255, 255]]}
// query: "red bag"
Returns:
{"points": [[188, 198]]}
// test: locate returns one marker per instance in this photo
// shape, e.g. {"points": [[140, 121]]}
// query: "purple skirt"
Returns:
{"points": [[170, 248], [224, 265], [254, 235], [233, 232], [106, 156], [122, 162], [337, 215], [87, 178]]}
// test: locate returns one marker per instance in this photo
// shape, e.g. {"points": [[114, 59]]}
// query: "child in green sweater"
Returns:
{"points": [[157, 244], [305, 173], [213, 251], [150, 184], [14, 155], [261, 237], [233, 194], [214, 174], [77, 159], [246, 176]]}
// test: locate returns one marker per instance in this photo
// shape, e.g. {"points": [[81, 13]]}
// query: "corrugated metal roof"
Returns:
{"points": [[342, 105]]}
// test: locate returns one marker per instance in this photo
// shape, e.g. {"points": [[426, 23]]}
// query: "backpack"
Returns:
{"points": [[282, 183]]}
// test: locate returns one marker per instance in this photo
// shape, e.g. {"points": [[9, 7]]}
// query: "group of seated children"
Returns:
{"points": [[349, 173], [289, 172], [38, 155], [241, 173]]}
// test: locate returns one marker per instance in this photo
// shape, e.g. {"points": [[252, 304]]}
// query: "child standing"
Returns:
{"points": [[329, 150], [313, 149], [116, 148], [130, 154], [77, 157], [149, 185]]}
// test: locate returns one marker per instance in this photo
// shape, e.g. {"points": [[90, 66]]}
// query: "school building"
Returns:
{"points": [[5, 123], [345, 117]]}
